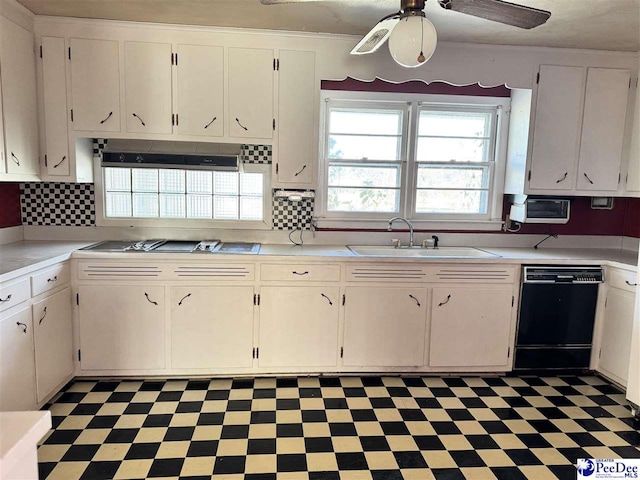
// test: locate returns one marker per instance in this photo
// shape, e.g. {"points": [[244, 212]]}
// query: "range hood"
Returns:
{"points": [[163, 154]]}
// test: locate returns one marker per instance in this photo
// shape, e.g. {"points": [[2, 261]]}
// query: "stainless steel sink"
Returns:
{"points": [[442, 252], [176, 246], [237, 247]]}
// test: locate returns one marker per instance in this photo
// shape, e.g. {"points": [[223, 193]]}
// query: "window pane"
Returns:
{"points": [[370, 122], [172, 205], [225, 208], [225, 183], [352, 147], [452, 176], [363, 200], [199, 182], [251, 184], [172, 181], [117, 179], [451, 201], [454, 124], [364, 176], [199, 206], [145, 204], [118, 205], [452, 150], [250, 208], [144, 180]]}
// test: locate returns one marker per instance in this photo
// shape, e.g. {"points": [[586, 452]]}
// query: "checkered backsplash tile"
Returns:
{"points": [[66, 204], [288, 215]]}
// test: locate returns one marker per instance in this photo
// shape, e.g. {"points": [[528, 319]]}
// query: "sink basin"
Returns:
{"points": [[442, 252]]}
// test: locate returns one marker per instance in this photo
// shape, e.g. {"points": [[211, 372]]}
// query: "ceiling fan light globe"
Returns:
{"points": [[413, 41]]}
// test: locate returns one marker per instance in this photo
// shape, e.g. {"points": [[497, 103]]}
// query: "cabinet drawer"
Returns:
{"points": [[303, 273], [49, 279], [623, 279], [14, 293]]}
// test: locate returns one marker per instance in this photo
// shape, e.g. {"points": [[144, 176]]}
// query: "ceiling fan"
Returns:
{"points": [[414, 36]]}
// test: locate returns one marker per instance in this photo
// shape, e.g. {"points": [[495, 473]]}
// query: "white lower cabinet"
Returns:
{"points": [[298, 326], [616, 334], [384, 326], [17, 367], [53, 342], [122, 327], [471, 327], [211, 327]]}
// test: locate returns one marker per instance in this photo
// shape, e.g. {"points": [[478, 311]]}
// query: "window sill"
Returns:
{"points": [[429, 225]]}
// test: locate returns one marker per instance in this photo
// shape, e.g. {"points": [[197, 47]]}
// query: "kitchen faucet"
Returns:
{"points": [[390, 227]]}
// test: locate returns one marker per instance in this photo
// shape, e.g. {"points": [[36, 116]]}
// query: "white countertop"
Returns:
{"points": [[20, 432], [20, 258]]}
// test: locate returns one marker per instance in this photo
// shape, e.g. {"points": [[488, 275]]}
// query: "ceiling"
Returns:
{"points": [[591, 24]]}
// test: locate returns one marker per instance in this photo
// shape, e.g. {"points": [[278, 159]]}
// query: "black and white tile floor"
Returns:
{"points": [[348, 428]]}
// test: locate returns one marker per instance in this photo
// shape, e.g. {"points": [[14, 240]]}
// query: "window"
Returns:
{"points": [[189, 195], [430, 158]]}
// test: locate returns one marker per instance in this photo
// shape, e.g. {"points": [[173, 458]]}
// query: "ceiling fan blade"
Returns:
{"points": [[376, 37], [499, 11], [282, 2]]}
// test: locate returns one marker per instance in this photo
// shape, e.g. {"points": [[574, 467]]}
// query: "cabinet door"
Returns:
{"points": [[95, 85], [3, 157], [615, 343], [297, 147], [558, 119], [385, 326], [53, 342], [633, 173], [147, 69], [470, 327], [250, 93], [200, 90], [17, 372], [298, 326], [122, 327], [211, 327], [18, 61], [605, 113], [54, 80]]}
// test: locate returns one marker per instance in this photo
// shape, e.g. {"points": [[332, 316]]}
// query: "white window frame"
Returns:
{"points": [[265, 224], [491, 221]]}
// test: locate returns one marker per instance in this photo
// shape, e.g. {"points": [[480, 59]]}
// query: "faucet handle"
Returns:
{"points": [[397, 243], [428, 242]]}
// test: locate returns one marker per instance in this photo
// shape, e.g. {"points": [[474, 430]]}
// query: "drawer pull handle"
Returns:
{"points": [[416, 300], [300, 273], [60, 162], [564, 177], [23, 325], [44, 314], [241, 126], [631, 284], [15, 159], [54, 279], [184, 298], [2, 300], [328, 299], [300, 171], [149, 300], [108, 117], [445, 302], [587, 177], [209, 124], [141, 121]]}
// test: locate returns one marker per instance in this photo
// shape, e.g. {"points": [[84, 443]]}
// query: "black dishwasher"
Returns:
{"points": [[557, 312]]}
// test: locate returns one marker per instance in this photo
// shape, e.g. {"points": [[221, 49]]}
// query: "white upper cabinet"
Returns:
{"points": [[19, 103], [605, 108], [632, 178], [147, 68], [199, 92], [57, 161], [250, 93], [556, 131], [3, 164], [95, 85], [296, 151]]}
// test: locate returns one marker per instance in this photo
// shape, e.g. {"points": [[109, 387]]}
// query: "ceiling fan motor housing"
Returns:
{"points": [[412, 5]]}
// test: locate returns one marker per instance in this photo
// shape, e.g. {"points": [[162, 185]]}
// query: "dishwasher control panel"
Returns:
{"points": [[562, 274]]}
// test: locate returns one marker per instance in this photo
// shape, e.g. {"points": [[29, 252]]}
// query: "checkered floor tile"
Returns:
{"points": [[348, 428]]}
